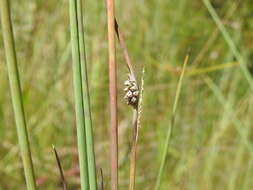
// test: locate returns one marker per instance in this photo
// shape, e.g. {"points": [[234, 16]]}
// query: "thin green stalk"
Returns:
{"points": [[113, 94], [77, 79], [230, 43], [86, 102], [16, 94], [170, 127]]}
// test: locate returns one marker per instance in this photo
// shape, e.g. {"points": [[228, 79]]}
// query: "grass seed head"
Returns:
{"points": [[131, 91]]}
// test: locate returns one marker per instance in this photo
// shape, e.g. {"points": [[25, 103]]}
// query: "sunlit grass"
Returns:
{"points": [[158, 34]]}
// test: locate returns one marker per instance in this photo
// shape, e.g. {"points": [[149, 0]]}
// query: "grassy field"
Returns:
{"points": [[211, 145]]}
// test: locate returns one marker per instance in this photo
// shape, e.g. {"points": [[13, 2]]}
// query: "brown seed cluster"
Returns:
{"points": [[132, 91]]}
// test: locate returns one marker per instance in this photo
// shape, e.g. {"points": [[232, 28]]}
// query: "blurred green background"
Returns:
{"points": [[211, 146]]}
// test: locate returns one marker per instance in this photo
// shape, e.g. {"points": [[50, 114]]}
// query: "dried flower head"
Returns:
{"points": [[131, 91]]}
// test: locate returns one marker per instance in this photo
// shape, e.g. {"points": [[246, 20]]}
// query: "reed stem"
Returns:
{"points": [[86, 101], [78, 92], [113, 94]]}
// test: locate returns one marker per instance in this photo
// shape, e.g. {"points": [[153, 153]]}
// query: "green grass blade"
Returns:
{"points": [[239, 125], [77, 77], [230, 42], [170, 127], [16, 94], [86, 101]]}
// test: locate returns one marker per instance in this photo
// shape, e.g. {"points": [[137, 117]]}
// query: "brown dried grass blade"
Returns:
{"points": [[102, 179], [63, 181], [124, 48]]}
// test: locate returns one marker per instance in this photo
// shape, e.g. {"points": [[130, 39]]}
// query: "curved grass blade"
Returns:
{"points": [[171, 126]]}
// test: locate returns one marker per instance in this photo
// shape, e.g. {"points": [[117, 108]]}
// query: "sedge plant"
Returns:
{"points": [[134, 98]]}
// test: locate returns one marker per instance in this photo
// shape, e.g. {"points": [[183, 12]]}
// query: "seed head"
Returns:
{"points": [[132, 91]]}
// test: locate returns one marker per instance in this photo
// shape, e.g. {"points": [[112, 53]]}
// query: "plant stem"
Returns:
{"points": [[136, 127], [133, 151], [113, 94], [16, 94], [170, 127], [77, 79], [86, 102]]}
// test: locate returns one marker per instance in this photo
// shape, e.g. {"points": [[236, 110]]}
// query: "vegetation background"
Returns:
{"points": [[211, 146]]}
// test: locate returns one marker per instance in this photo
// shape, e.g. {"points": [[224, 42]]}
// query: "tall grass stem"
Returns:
{"points": [[16, 94], [86, 101], [113, 94], [78, 95]]}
